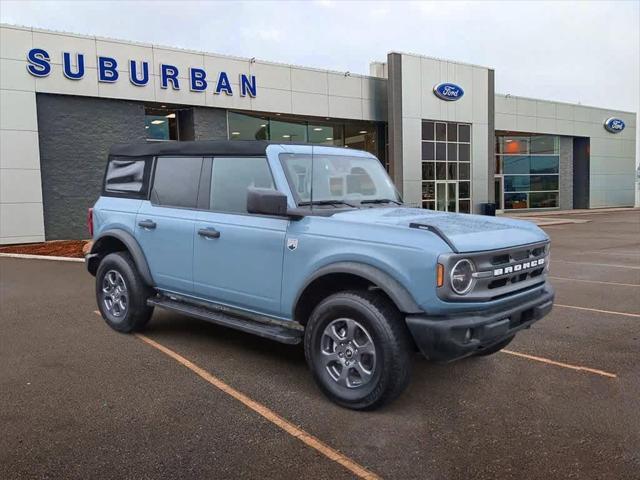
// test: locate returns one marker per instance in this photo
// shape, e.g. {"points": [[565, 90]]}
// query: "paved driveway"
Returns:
{"points": [[78, 400]]}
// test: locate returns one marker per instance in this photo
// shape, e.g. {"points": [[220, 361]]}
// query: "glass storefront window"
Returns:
{"points": [[326, 134], [446, 158], [515, 200], [528, 168], [283, 131], [246, 127], [368, 136], [545, 164], [515, 164], [546, 144], [543, 200], [160, 124]]}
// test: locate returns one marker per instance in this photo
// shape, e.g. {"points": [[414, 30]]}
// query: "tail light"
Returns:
{"points": [[90, 222]]}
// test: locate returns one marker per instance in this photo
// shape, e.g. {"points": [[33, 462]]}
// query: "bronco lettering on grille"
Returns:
{"points": [[518, 267]]}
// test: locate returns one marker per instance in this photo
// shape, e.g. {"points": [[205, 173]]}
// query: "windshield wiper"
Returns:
{"points": [[327, 202], [381, 200]]}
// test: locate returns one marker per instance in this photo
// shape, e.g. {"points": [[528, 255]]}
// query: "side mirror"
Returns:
{"points": [[266, 201]]}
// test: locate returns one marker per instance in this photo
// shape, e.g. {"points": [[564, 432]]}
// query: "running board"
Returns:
{"points": [[273, 332]]}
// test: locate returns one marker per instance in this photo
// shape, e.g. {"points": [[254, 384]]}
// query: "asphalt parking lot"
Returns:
{"points": [[78, 400]]}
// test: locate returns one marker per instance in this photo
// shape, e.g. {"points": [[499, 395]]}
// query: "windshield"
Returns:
{"points": [[338, 179]]}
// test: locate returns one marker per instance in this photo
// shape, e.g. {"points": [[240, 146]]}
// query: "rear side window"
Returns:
{"points": [[175, 182], [126, 176], [231, 177]]}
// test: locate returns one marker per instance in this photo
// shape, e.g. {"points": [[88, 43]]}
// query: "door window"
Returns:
{"points": [[232, 176], [176, 180]]}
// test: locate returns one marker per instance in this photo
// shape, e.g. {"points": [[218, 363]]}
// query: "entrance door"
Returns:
{"points": [[447, 196], [237, 257]]}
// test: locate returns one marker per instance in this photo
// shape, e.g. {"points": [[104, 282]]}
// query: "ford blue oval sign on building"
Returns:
{"points": [[448, 91], [614, 125]]}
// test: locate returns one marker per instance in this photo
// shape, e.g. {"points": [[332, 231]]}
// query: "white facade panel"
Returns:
{"points": [[310, 81], [14, 42], [18, 110], [315, 104], [19, 149], [21, 222], [18, 185], [271, 100], [271, 76], [345, 107], [343, 85], [14, 76]]}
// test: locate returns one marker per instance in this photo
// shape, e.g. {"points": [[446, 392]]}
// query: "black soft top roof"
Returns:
{"points": [[202, 147]]}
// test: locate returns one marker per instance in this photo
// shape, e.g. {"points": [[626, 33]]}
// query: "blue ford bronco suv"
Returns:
{"points": [[312, 244]]}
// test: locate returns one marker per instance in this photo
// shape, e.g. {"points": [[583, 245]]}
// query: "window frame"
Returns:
{"points": [[152, 181], [209, 188], [143, 194]]}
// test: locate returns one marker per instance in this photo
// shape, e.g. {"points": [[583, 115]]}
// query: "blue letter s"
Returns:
{"points": [[39, 65]]}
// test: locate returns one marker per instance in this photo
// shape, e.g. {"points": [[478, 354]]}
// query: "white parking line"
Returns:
{"points": [[635, 315], [41, 257], [555, 260], [560, 364], [595, 281]]}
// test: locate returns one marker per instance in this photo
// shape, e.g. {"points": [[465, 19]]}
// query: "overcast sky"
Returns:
{"points": [[587, 52]]}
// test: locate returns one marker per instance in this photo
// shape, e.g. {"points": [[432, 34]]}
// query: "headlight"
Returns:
{"points": [[462, 276]]}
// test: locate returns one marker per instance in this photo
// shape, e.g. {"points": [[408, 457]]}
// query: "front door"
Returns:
{"points": [[238, 256], [447, 196]]}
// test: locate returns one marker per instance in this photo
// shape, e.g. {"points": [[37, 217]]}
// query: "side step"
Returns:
{"points": [[272, 332]]}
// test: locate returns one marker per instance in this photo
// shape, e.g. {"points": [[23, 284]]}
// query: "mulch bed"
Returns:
{"points": [[58, 248]]}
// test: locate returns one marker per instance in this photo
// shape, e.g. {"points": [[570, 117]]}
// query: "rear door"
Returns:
{"points": [[238, 256], [165, 222]]}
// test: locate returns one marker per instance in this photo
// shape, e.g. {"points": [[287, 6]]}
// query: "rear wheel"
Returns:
{"points": [[358, 349], [495, 348], [122, 294]]}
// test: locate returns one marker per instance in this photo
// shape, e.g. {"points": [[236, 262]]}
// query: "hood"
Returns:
{"points": [[468, 233]]}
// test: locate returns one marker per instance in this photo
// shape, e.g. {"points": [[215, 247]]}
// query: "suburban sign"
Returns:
{"points": [[448, 91], [614, 125], [73, 68]]}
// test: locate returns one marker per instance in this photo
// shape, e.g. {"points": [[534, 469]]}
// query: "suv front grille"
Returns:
{"points": [[500, 273]]}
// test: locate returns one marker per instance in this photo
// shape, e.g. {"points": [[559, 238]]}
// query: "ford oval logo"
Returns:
{"points": [[448, 91], [614, 125]]}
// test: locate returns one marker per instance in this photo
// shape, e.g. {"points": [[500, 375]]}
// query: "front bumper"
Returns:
{"points": [[443, 338]]}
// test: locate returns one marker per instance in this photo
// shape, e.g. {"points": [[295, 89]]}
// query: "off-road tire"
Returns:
{"points": [[389, 335], [495, 348], [136, 314]]}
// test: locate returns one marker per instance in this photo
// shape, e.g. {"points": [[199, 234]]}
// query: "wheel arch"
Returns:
{"points": [[345, 276], [116, 240]]}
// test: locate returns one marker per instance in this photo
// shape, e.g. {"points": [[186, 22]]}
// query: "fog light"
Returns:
{"points": [[467, 335]]}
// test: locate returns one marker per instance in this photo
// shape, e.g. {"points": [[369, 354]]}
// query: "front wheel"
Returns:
{"points": [[122, 294], [358, 349]]}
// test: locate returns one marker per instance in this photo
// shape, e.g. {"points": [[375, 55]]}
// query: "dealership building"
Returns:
{"points": [[448, 140]]}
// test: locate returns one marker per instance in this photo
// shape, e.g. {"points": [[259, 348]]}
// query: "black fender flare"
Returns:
{"points": [[132, 246], [389, 285]]}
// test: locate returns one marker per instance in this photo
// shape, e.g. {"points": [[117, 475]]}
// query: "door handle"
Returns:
{"points": [[147, 224], [209, 233]]}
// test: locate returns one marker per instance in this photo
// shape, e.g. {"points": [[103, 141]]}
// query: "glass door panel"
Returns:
{"points": [[452, 197], [441, 196]]}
